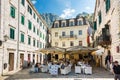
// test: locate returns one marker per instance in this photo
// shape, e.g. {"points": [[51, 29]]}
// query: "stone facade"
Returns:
{"points": [[69, 32], [110, 18], [13, 51]]}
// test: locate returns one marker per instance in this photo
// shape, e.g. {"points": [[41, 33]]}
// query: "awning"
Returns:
{"points": [[51, 50], [100, 51]]}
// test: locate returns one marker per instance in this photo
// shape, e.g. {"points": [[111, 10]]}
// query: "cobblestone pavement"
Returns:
{"points": [[24, 74]]}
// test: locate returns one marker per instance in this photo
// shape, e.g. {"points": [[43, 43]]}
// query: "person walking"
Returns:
{"points": [[108, 60], [116, 70]]}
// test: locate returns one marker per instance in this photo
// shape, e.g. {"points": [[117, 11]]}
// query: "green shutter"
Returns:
{"points": [[12, 33], [34, 42], [12, 12], [95, 25], [22, 20], [22, 37], [29, 40], [107, 5], [29, 25], [23, 2], [100, 18]]}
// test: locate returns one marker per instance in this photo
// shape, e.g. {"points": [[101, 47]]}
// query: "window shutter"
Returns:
{"points": [[95, 25]]}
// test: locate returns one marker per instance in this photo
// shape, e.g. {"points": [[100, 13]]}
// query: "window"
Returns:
{"points": [[41, 34], [71, 33], [79, 22], [22, 37], [63, 33], [63, 24], [29, 10], [34, 16], [107, 2], [40, 23], [29, 40], [37, 20], [22, 20], [40, 44], [34, 30], [23, 2], [56, 34], [56, 44], [95, 25], [37, 31], [37, 43], [80, 32], [29, 25], [34, 42], [56, 25], [12, 12], [12, 33], [100, 17], [71, 43], [71, 23], [80, 43], [63, 44]]}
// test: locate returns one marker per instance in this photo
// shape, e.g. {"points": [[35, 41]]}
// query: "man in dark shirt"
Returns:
{"points": [[116, 70]]}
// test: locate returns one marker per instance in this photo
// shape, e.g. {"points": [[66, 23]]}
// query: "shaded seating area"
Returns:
{"points": [[63, 60]]}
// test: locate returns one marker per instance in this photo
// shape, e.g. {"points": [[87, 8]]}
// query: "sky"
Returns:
{"points": [[64, 8]]}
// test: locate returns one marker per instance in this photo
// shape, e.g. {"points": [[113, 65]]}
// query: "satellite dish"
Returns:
{"points": [[0, 43]]}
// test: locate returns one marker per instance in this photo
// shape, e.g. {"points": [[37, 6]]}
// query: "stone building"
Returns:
{"points": [[22, 32], [107, 28], [70, 32]]}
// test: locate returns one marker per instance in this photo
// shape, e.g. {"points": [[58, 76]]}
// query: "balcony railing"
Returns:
{"points": [[104, 40], [68, 37]]}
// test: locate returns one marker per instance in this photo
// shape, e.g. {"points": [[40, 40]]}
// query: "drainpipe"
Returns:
{"points": [[18, 35]]}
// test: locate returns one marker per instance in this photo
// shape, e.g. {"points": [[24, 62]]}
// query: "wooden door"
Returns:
{"points": [[11, 61], [21, 60]]}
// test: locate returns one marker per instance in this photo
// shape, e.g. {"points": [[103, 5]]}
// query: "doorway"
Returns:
{"points": [[11, 61], [21, 60]]}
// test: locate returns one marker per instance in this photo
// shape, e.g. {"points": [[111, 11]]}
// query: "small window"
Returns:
{"points": [[37, 31], [12, 33], [100, 17], [107, 2], [40, 44], [63, 44], [56, 44], [23, 2], [56, 25], [63, 33], [71, 33], [22, 19], [37, 20], [22, 37], [34, 16], [56, 34], [29, 40], [71, 23], [12, 12], [29, 25], [34, 42], [80, 43], [80, 32], [29, 10], [71, 43], [79, 23], [63, 24], [34, 30], [40, 34]]}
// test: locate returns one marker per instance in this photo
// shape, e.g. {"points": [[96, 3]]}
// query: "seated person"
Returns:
{"points": [[36, 67], [62, 66]]}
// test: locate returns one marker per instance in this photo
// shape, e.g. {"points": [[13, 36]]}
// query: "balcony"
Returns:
{"points": [[68, 37], [104, 40]]}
